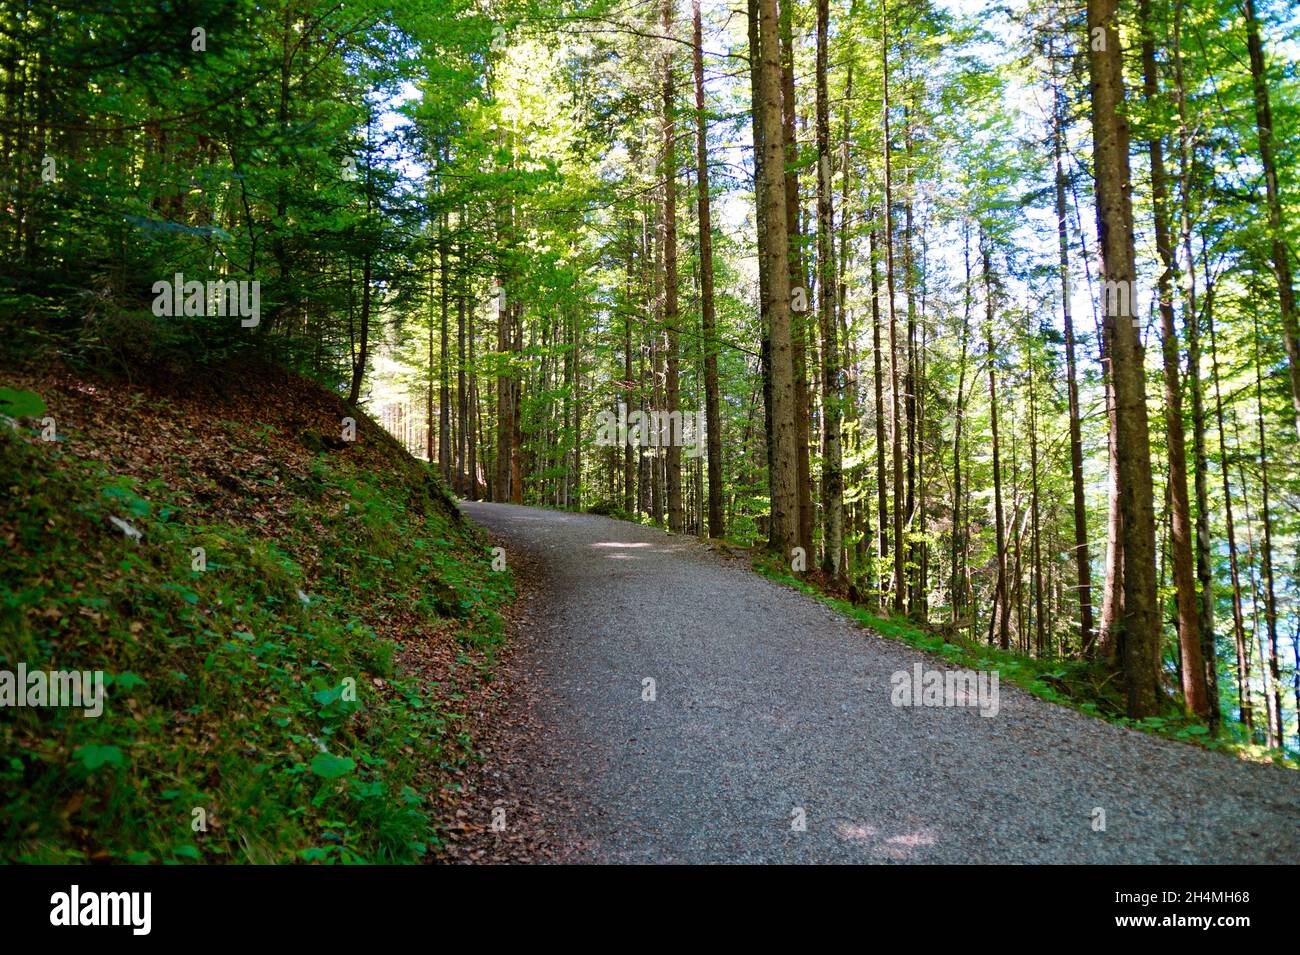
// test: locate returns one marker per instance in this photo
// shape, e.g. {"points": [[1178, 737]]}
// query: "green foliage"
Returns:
{"points": [[21, 404], [378, 167], [284, 718]]}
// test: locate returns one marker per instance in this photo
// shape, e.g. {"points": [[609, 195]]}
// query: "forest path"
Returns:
{"points": [[768, 701]]}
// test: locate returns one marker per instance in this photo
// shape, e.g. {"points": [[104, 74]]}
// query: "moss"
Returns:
{"points": [[257, 689]]}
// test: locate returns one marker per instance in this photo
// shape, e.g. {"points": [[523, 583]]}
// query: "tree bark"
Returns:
{"points": [[629, 469], [1277, 245], [505, 401], [798, 279], [1082, 556], [1244, 705], [832, 474], [1195, 694], [462, 396], [1272, 675], [444, 371], [672, 397], [1200, 460], [882, 490], [363, 349], [1040, 619], [1141, 615], [712, 404], [957, 588], [899, 584], [1001, 615], [774, 255]]}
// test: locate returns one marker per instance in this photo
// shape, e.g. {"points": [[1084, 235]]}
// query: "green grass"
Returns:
{"points": [[255, 691]]}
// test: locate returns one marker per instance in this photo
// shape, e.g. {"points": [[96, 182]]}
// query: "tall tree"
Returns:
{"points": [[1141, 617], [899, 582], [799, 297], [1082, 556], [1277, 238], [832, 476], [1195, 696], [708, 319], [1000, 621], [774, 251], [672, 386]]}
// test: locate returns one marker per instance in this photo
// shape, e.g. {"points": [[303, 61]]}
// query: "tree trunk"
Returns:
{"points": [[472, 420], [798, 279], [910, 384], [1082, 556], [1277, 246], [1192, 323], [774, 254], [444, 371], [882, 500], [832, 475], [1244, 705], [1195, 694], [957, 589], [899, 584], [1272, 676], [629, 470], [463, 434], [574, 490], [1141, 616], [505, 401], [673, 457], [1040, 619], [712, 404], [1001, 616], [429, 442], [764, 292], [363, 349]]}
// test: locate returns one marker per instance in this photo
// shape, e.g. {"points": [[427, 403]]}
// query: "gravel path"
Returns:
{"points": [[770, 705]]}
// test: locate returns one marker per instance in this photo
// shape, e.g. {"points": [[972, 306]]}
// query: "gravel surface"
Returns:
{"points": [[769, 706]]}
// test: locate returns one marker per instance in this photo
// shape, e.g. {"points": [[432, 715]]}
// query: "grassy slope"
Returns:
{"points": [[230, 686]]}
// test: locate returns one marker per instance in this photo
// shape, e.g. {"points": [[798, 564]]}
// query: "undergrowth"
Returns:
{"points": [[252, 711]]}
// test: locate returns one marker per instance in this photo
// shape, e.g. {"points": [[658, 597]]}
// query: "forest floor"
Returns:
{"points": [[771, 709], [296, 630]]}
